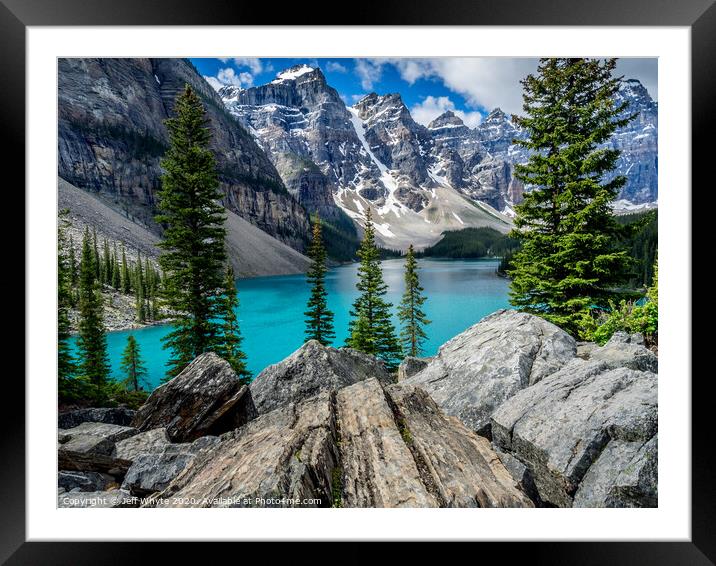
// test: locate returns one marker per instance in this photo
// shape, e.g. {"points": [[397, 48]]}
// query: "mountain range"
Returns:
{"points": [[292, 148]]}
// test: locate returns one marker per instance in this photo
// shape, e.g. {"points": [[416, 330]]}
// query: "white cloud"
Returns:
{"points": [[369, 71], [228, 76], [491, 82], [432, 107], [336, 67]]}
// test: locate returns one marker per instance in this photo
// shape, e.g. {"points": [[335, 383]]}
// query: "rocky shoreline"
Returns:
{"points": [[510, 413]]}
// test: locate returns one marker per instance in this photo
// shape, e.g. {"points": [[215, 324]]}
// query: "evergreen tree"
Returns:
{"points": [[66, 367], [410, 311], [107, 263], [139, 305], [126, 283], [230, 346], [319, 320], [72, 264], [371, 329], [133, 367], [193, 254], [116, 274], [568, 263], [92, 343], [96, 259]]}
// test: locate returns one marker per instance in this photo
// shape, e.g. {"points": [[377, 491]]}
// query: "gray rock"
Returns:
{"points": [[624, 350], [378, 469], [85, 481], [144, 442], [273, 461], [475, 372], [308, 371], [410, 366], [97, 499], [111, 432], [206, 398], [457, 466], [110, 415], [624, 475], [362, 446], [560, 426], [152, 471], [87, 444]]}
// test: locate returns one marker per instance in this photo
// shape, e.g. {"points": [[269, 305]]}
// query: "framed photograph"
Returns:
{"points": [[396, 279]]}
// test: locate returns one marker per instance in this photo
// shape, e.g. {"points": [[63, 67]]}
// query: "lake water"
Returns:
{"points": [[271, 310]]}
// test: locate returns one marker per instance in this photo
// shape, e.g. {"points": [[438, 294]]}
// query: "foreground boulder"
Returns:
{"points": [[626, 350], [206, 398], [475, 372], [587, 433], [83, 481], [152, 471], [279, 458], [112, 415], [308, 371], [366, 445], [151, 441], [89, 444]]}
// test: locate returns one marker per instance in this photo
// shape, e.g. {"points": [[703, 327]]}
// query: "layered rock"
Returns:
{"points": [[278, 459], [157, 465], [366, 445], [475, 372], [112, 136], [206, 398], [111, 415], [587, 433], [311, 369]]}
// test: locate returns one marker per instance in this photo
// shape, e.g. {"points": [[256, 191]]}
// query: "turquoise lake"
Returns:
{"points": [[460, 293]]}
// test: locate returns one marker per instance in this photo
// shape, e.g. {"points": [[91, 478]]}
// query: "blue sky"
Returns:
{"points": [[469, 86]]}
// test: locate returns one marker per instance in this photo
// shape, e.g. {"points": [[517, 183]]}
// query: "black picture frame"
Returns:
{"points": [[699, 15]]}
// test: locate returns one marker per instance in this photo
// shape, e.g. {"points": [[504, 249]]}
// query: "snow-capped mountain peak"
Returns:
{"points": [[292, 73]]}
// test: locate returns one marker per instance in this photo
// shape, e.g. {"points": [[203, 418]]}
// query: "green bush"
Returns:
{"points": [[631, 317]]}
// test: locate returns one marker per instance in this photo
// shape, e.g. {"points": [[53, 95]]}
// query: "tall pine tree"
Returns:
{"points": [[92, 342], [133, 367], [319, 320], [568, 262], [66, 367], [371, 329], [230, 345], [193, 254], [410, 312]]}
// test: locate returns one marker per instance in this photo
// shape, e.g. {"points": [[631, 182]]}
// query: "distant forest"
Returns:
{"points": [[640, 238]]}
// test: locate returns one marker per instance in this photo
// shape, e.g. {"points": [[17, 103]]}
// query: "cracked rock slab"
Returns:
{"points": [[377, 465], [206, 398], [278, 459], [475, 372], [563, 426], [460, 468]]}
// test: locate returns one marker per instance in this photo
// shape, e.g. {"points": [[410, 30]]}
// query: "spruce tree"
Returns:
{"points": [[66, 367], [133, 367], [371, 329], [568, 262], [230, 345], [72, 264], [126, 283], [96, 257], [193, 254], [410, 311], [92, 342], [116, 273], [107, 263], [319, 320]]}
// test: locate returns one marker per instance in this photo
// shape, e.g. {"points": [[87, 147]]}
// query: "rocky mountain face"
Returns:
{"points": [[418, 181], [112, 137], [510, 413], [340, 161]]}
